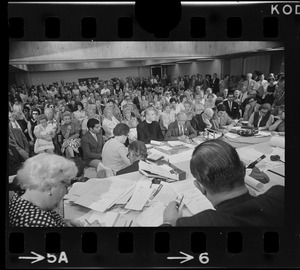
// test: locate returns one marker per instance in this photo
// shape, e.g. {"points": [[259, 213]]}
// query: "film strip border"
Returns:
{"points": [[158, 247], [101, 22], [148, 248]]}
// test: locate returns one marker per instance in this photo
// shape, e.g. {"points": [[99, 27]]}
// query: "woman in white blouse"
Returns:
{"points": [[109, 122]]}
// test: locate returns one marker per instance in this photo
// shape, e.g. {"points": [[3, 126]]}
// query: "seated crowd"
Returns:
{"points": [[106, 124]]}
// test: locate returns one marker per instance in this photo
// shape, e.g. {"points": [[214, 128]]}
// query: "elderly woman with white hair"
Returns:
{"points": [[45, 179], [109, 122]]}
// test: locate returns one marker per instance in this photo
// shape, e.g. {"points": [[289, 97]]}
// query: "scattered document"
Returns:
{"points": [[194, 200], [153, 142], [152, 216], [107, 219], [231, 135], [140, 196], [103, 195], [167, 148], [249, 155], [165, 194], [163, 170], [175, 143], [262, 134]]}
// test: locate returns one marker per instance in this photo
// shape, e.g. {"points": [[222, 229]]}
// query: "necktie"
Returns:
{"points": [[230, 105]]}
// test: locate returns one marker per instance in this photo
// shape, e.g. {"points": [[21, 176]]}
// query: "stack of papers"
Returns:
{"points": [[153, 169], [140, 196], [105, 193]]}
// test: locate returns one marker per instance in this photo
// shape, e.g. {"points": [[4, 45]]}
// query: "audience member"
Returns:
{"points": [[109, 122], [232, 108], [70, 133], [44, 136], [92, 143]]}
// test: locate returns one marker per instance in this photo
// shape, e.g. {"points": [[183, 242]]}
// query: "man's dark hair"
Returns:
{"points": [[221, 107], [91, 123], [121, 129], [139, 148], [217, 166]]}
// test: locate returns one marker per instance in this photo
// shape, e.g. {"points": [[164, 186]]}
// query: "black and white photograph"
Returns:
{"points": [[152, 135], [146, 134]]}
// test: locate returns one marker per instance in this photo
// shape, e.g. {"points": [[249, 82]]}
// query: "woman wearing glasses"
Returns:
{"points": [[45, 179]]}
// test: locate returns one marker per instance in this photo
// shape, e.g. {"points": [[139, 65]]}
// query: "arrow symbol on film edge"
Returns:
{"points": [[187, 257], [37, 257]]}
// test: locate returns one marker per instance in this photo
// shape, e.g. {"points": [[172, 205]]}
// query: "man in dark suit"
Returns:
{"points": [[180, 129], [137, 151], [92, 143], [220, 175], [149, 129], [215, 83], [232, 108]]}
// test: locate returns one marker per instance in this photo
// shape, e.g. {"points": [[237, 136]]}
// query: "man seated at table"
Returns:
{"points": [[201, 121], [220, 175], [136, 151], [222, 121], [262, 119], [149, 129], [92, 143], [180, 129]]}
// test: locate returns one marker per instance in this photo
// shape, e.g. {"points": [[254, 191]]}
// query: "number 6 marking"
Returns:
{"points": [[203, 258]]}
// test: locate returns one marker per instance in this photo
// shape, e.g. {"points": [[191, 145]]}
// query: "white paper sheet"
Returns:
{"points": [[231, 135], [194, 200], [175, 143], [165, 195], [248, 155], [141, 194], [103, 195], [152, 216], [156, 142], [165, 147], [263, 134], [107, 219]]}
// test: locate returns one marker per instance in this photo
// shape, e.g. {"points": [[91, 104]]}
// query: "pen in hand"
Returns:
{"points": [[180, 204], [252, 165]]}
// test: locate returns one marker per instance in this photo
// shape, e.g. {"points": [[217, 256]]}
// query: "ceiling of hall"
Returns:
{"points": [[49, 56]]}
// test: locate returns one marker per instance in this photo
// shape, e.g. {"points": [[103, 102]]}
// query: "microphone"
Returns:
{"points": [[252, 165]]}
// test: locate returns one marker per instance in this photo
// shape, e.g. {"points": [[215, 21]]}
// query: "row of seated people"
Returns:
{"points": [[67, 139]]}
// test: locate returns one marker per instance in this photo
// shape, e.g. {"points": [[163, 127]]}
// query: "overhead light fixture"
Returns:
{"points": [[184, 62]]}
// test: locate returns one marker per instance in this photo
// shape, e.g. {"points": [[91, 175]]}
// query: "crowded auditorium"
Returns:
{"points": [[146, 134]]}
